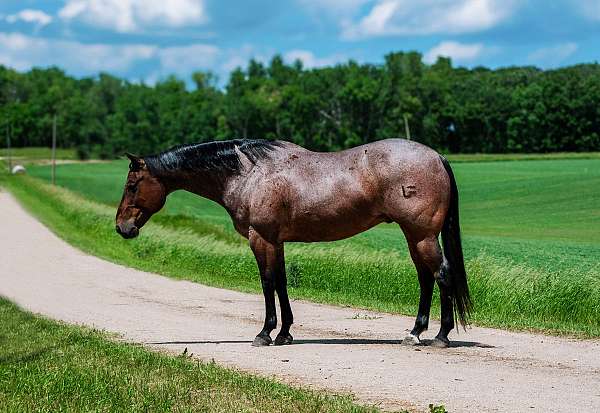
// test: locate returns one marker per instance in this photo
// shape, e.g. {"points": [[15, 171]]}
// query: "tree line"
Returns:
{"points": [[452, 109]]}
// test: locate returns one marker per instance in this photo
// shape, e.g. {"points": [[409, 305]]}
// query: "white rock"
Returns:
{"points": [[18, 169]]}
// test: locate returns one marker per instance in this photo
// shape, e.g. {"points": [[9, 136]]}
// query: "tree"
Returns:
{"points": [[516, 109]]}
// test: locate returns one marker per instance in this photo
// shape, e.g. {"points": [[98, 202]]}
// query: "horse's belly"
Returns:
{"points": [[314, 228]]}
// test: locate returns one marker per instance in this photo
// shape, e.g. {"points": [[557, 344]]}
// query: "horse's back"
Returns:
{"points": [[316, 196], [377, 166], [399, 152]]}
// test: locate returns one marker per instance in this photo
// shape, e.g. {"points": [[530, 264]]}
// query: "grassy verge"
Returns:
{"points": [[46, 366], [497, 157], [507, 294]]}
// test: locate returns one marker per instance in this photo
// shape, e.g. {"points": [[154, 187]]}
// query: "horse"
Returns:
{"points": [[277, 192]]}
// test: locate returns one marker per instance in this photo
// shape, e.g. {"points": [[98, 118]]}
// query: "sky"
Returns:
{"points": [[148, 40]]}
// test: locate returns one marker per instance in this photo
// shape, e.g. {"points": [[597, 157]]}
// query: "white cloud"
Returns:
{"points": [[406, 17], [182, 60], [459, 52], [331, 13], [134, 15], [309, 60], [234, 61], [239, 57], [333, 7], [38, 17], [22, 52], [590, 9], [553, 55]]}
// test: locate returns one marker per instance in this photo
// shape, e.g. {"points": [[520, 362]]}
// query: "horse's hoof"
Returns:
{"points": [[439, 343], [262, 341], [282, 340], [411, 340]]}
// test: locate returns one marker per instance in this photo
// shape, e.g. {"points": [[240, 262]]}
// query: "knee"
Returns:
{"points": [[271, 322], [423, 321], [287, 318], [447, 323], [443, 276], [268, 283]]}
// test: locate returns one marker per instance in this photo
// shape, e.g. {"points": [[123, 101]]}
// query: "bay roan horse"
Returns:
{"points": [[277, 192]]}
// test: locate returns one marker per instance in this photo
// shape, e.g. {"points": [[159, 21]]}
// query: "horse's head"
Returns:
{"points": [[143, 196]]}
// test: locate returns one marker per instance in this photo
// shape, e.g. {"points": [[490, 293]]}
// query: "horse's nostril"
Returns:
{"points": [[118, 229]]}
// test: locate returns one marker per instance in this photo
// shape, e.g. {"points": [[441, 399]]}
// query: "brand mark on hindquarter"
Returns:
{"points": [[408, 191]]}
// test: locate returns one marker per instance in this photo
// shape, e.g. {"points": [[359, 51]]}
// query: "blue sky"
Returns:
{"points": [[150, 39]]}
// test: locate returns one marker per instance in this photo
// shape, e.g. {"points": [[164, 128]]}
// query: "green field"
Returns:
{"points": [[495, 157], [27, 155], [531, 233], [47, 366]]}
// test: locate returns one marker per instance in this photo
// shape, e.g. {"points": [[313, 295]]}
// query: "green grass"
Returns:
{"points": [[530, 230], [42, 153], [494, 157], [46, 366], [26, 155]]}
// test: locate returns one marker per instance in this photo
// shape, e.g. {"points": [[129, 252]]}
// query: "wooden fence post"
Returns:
{"points": [[54, 151], [406, 128], [8, 154]]}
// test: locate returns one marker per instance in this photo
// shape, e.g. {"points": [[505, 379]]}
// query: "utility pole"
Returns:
{"points": [[406, 128], [54, 151], [8, 154]]}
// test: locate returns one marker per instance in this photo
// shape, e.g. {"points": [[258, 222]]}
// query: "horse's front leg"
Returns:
{"points": [[266, 257]]}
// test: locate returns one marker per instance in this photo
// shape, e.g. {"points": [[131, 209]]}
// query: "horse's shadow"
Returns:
{"points": [[337, 341], [458, 344]]}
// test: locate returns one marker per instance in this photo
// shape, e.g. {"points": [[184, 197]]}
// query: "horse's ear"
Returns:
{"points": [[137, 163]]}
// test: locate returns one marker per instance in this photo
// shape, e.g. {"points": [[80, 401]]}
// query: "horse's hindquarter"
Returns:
{"points": [[307, 196], [416, 192]]}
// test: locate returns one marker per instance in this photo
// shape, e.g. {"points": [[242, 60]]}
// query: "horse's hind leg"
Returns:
{"points": [[447, 307], [426, 282], [427, 257], [287, 318]]}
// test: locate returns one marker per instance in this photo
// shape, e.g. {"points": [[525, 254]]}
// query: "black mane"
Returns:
{"points": [[219, 156]]}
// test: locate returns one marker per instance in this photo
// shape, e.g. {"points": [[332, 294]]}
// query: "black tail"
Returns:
{"points": [[454, 254]]}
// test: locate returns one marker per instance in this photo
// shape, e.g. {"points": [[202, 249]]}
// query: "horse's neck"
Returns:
{"points": [[207, 184]]}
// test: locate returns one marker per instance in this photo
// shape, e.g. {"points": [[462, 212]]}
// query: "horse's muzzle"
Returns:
{"points": [[127, 231]]}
